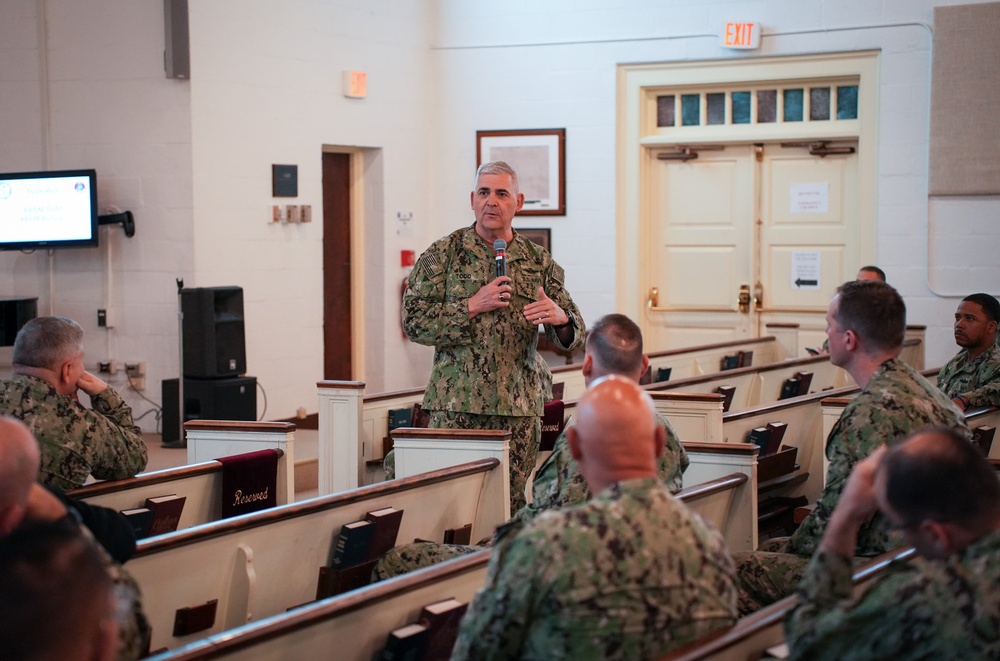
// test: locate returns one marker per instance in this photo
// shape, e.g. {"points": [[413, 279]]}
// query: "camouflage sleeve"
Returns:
{"points": [[495, 625], [988, 395], [674, 461], [112, 440], [828, 622], [842, 451], [946, 375], [555, 289], [430, 316], [546, 486], [988, 380]]}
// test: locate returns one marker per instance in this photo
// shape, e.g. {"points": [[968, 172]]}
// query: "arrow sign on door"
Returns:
{"points": [[805, 271]]}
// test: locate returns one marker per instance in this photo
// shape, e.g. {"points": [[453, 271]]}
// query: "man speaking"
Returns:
{"points": [[484, 326]]}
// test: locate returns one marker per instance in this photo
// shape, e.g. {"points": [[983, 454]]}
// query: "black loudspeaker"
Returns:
{"points": [[214, 337], [233, 398], [177, 39]]}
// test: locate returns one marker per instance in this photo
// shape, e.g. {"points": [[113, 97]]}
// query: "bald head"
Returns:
{"points": [[615, 435], [19, 461]]}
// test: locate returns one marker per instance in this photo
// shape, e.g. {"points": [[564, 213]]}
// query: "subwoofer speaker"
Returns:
{"points": [[214, 333], [233, 398]]}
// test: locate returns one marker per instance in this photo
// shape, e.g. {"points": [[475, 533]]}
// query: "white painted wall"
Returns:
{"points": [[192, 158], [552, 65], [97, 98]]}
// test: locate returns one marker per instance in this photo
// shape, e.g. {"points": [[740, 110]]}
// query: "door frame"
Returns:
{"points": [[357, 251], [637, 134]]}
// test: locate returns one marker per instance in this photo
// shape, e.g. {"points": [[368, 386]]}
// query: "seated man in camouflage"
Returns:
{"points": [[75, 441], [56, 599], [972, 378], [630, 574], [866, 323], [24, 502], [613, 346], [945, 498]]}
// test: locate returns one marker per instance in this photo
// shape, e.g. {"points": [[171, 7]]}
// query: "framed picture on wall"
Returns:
{"points": [[540, 235], [539, 158]]}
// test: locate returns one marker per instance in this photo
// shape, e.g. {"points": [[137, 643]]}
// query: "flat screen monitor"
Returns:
{"points": [[45, 210]]}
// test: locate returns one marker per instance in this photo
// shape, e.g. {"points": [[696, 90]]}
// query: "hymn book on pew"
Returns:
{"points": [[442, 619], [166, 513], [983, 438], [359, 546], [727, 393], [140, 518], [405, 643], [386, 523], [461, 535]]}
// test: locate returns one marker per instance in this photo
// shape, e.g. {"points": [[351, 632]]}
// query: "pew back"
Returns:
{"points": [[752, 635], [356, 624], [200, 484], [260, 564]]}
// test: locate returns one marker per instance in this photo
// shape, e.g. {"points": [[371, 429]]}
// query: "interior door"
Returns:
{"points": [[745, 235], [809, 237], [700, 248]]}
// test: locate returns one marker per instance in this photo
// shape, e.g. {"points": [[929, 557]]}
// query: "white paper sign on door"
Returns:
{"points": [[809, 198], [805, 270]]}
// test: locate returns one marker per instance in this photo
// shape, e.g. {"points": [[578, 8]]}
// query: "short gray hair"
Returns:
{"points": [[47, 341], [495, 167]]}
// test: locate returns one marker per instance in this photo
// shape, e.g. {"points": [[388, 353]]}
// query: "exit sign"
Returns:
{"points": [[741, 35], [355, 84]]}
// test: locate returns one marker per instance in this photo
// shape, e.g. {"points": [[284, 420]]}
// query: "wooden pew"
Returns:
{"points": [[200, 484], [357, 623], [260, 564], [691, 416], [733, 511], [683, 363], [343, 417], [342, 465], [752, 635]]}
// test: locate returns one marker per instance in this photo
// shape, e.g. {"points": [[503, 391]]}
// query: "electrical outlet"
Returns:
{"points": [[135, 375], [109, 367], [136, 369]]}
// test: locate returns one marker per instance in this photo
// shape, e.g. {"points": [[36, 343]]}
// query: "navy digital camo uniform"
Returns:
{"points": [[922, 609], [978, 380], [631, 574], [75, 441], [484, 374], [896, 401], [558, 483]]}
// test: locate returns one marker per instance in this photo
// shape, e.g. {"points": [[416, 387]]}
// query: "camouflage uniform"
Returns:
{"points": [[75, 441], [922, 609], [978, 380], [558, 483], [631, 574], [134, 631], [485, 366], [896, 401]]}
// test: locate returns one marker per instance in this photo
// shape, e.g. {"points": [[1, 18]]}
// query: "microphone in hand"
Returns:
{"points": [[500, 254]]}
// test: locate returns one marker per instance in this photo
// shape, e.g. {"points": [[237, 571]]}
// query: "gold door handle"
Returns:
{"points": [[758, 297], [744, 299], [653, 299]]}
